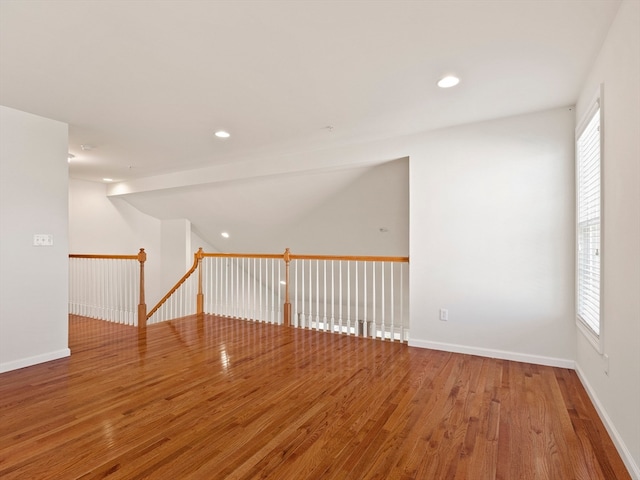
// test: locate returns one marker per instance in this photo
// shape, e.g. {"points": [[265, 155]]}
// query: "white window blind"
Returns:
{"points": [[589, 222]]}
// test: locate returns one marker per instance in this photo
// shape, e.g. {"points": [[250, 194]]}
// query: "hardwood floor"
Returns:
{"points": [[219, 398]]}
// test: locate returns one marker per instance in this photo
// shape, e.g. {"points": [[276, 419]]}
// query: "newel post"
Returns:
{"points": [[200, 297], [142, 306], [287, 302]]}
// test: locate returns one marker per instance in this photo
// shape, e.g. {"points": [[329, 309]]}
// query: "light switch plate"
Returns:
{"points": [[42, 240]]}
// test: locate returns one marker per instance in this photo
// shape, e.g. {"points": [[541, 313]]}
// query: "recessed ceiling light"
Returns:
{"points": [[222, 134], [448, 81], [225, 234], [108, 179]]}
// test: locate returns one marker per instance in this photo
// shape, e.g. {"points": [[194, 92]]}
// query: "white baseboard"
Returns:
{"points": [[27, 362], [501, 354], [632, 466]]}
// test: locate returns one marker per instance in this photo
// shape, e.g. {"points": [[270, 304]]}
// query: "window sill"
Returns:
{"points": [[594, 340]]}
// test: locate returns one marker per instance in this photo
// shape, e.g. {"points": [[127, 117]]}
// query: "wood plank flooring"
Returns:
{"points": [[217, 398]]}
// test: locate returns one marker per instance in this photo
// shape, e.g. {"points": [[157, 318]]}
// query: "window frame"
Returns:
{"points": [[596, 107]]}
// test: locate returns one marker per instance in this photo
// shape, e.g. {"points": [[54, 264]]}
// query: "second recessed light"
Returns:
{"points": [[448, 81], [222, 134]]}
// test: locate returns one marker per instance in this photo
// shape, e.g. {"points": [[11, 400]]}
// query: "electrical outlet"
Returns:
{"points": [[42, 240], [444, 314]]}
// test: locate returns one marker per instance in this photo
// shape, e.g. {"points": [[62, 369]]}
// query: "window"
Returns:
{"points": [[589, 224]]}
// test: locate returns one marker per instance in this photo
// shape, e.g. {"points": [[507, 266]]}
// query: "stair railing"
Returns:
{"points": [[178, 302], [108, 287], [357, 295], [247, 286]]}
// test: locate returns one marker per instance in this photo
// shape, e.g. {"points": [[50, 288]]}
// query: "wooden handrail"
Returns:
{"points": [[352, 258], [242, 255], [196, 263], [107, 257]]}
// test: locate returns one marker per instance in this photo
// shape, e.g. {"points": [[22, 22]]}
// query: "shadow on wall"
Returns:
{"points": [[369, 216]]}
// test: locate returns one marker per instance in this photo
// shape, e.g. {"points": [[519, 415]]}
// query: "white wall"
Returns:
{"points": [[102, 225], [310, 212], [176, 256], [617, 395], [492, 238], [348, 221], [33, 199], [197, 241]]}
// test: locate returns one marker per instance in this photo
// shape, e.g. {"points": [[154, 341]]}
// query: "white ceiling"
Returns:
{"points": [[148, 83]]}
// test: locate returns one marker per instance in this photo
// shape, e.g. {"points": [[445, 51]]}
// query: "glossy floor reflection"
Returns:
{"points": [[217, 398]]}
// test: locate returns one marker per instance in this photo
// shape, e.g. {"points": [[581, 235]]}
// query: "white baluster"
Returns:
{"points": [[348, 297], [295, 294], [115, 282], [81, 287], [248, 309], [260, 315], [205, 284], [280, 299], [230, 274], [219, 285], [79, 283], [325, 321], [402, 320], [224, 266], [235, 286], [254, 285], [333, 304], [392, 301], [242, 292], [121, 285], [134, 300], [340, 294], [212, 285], [113, 291], [375, 306], [357, 297], [273, 291], [302, 317], [93, 289], [365, 327], [317, 294]]}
